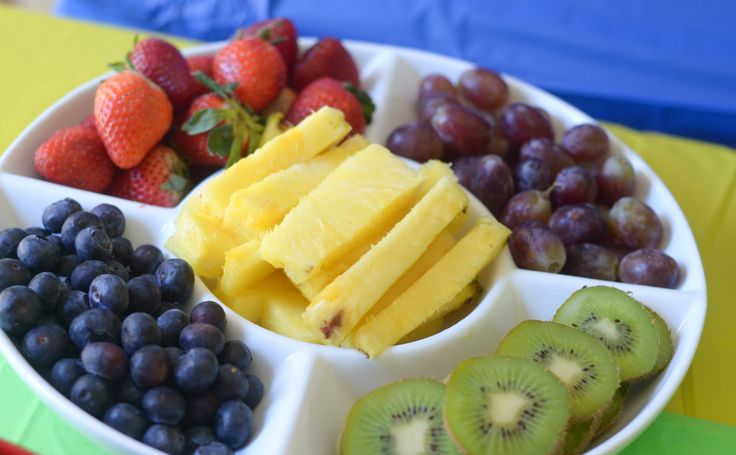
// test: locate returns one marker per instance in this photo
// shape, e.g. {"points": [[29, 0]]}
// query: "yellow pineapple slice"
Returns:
{"points": [[283, 308], [338, 308], [436, 289], [342, 211], [315, 133], [254, 210], [251, 303], [425, 330], [243, 267]]}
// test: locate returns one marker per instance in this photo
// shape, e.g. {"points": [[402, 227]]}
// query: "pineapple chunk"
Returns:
{"points": [[251, 303], [282, 312], [433, 171], [338, 308], [315, 133], [435, 290], [344, 210], [254, 210], [243, 267]]}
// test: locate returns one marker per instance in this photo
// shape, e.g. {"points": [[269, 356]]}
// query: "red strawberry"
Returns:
{"points": [[89, 122], [255, 66], [327, 58], [161, 62], [160, 179], [132, 114], [201, 63], [356, 105], [278, 31], [75, 157]]}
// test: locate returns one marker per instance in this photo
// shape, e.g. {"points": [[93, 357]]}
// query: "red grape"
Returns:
{"points": [[499, 145], [463, 130], [434, 83], [488, 178], [651, 267], [615, 179], [535, 247], [573, 185], [586, 142], [416, 141], [549, 152], [591, 261], [521, 122], [484, 88], [633, 224], [428, 105], [579, 223], [531, 205], [532, 175]]}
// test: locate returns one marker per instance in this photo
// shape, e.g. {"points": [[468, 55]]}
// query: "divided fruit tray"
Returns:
{"points": [[310, 388]]}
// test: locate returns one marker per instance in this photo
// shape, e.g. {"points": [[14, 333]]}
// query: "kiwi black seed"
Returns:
{"points": [[623, 324], [579, 435], [613, 410], [666, 348], [403, 417], [505, 405], [583, 364]]}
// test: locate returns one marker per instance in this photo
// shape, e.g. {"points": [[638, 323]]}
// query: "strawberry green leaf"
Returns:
{"points": [[116, 66], [175, 184], [219, 90], [204, 120], [236, 147], [220, 140], [366, 103]]}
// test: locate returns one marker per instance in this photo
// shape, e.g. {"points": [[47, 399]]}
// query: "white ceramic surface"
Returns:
{"points": [[310, 388]]}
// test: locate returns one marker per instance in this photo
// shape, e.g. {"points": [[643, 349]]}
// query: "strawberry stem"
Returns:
{"points": [[366, 103]]}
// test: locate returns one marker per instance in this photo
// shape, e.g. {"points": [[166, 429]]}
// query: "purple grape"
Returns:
{"points": [[651, 267], [499, 145], [634, 225], [615, 179], [532, 175], [591, 261], [579, 223], [416, 141], [436, 83], [488, 178], [463, 130], [545, 150], [586, 143], [574, 185], [521, 122], [535, 247], [484, 88], [429, 104], [530, 205]]}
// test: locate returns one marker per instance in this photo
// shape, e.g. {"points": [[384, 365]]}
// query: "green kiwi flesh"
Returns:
{"points": [[666, 348], [623, 324], [579, 436], [584, 364], [505, 406], [402, 418], [613, 410]]}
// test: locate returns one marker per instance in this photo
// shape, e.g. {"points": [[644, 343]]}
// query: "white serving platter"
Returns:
{"points": [[310, 388]]}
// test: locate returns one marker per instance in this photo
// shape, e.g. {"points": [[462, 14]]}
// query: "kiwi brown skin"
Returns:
{"points": [[608, 421], [587, 438], [666, 346]]}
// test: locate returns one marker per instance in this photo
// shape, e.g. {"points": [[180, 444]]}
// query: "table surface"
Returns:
{"points": [[45, 57]]}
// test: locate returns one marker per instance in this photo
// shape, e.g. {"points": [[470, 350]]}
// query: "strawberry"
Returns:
{"points": [[162, 179], [132, 114], [355, 104], [75, 157], [89, 122], [327, 58], [255, 66], [201, 63], [280, 32], [161, 62]]}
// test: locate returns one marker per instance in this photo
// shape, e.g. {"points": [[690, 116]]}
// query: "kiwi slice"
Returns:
{"points": [[613, 410], [505, 405], [400, 418], [624, 325], [583, 364], [666, 348], [579, 436]]}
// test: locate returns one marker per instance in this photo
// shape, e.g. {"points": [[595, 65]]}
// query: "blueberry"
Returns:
{"points": [[231, 384], [112, 219], [198, 436], [67, 264], [71, 305], [149, 367], [20, 309], [117, 268], [145, 259], [75, 223], [171, 324], [93, 325], [13, 273], [64, 373], [175, 277], [209, 312], [49, 319], [233, 423], [39, 254], [201, 409], [92, 393], [127, 419], [166, 306], [127, 392], [144, 294], [165, 438], [122, 249], [198, 335], [213, 448], [196, 371], [139, 329], [163, 405], [45, 344], [255, 391], [236, 353], [55, 239], [55, 214], [93, 243], [173, 354], [48, 288], [85, 272], [9, 240], [38, 230], [105, 359], [109, 291]]}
